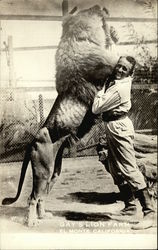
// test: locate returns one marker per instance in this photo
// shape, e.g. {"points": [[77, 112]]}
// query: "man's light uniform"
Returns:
{"points": [[120, 133]]}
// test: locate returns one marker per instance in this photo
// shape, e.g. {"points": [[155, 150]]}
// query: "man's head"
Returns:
{"points": [[124, 67]]}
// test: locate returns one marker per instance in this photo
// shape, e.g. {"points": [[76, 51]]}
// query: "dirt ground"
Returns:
{"points": [[84, 200]]}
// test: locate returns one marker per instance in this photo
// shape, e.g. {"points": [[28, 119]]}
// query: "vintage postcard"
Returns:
{"points": [[78, 124]]}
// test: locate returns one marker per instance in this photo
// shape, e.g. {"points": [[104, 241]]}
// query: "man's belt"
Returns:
{"points": [[113, 116]]}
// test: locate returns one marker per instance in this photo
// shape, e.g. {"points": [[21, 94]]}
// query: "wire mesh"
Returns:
{"points": [[21, 117]]}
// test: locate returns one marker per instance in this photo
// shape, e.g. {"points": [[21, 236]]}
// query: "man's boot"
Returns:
{"points": [[128, 198], [147, 208]]}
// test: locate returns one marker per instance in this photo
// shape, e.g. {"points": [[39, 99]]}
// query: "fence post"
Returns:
{"points": [[0, 51], [41, 110], [73, 151], [10, 62], [64, 7]]}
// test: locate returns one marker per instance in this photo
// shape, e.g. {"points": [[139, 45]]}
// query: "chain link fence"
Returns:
{"points": [[21, 117]]}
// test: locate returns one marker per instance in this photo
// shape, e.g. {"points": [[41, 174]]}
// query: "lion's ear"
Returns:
{"points": [[73, 10], [66, 19]]}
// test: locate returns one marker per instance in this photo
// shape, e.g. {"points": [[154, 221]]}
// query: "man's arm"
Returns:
{"points": [[106, 101]]}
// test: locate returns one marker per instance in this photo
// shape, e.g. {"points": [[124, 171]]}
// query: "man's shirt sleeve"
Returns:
{"points": [[106, 101]]}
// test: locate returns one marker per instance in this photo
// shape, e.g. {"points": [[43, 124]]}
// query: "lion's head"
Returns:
{"points": [[83, 58]]}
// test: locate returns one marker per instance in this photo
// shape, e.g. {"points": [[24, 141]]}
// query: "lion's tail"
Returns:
{"points": [[8, 201]]}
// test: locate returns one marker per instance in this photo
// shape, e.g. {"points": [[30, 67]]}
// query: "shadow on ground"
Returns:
{"points": [[78, 216], [94, 217], [92, 197]]}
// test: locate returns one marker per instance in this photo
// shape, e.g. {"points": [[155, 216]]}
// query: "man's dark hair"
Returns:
{"points": [[133, 62]]}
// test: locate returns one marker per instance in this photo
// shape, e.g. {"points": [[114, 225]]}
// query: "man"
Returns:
{"points": [[114, 102]]}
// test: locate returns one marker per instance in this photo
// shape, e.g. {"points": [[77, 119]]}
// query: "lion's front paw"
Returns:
{"points": [[31, 219]]}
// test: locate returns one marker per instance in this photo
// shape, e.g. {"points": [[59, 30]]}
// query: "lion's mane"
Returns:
{"points": [[83, 58]]}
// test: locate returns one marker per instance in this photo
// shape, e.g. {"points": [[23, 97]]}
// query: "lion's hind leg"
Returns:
{"points": [[42, 160], [31, 219]]}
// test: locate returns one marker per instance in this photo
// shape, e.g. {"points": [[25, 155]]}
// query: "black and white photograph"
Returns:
{"points": [[78, 124]]}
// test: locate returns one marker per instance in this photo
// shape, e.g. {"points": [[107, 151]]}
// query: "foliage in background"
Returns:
{"points": [[146, 71], [148, 6], [146, 64]]}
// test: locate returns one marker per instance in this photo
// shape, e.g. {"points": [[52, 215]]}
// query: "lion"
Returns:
{"points": [[83, 63]]}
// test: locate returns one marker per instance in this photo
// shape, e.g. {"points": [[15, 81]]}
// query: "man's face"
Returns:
{"points": [[122, 69]]}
